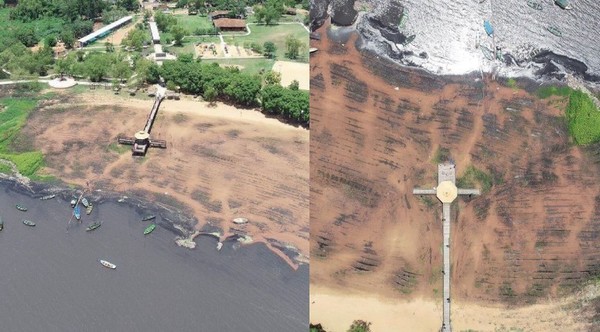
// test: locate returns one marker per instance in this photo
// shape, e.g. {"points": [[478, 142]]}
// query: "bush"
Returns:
{"points": [[583, 118]]}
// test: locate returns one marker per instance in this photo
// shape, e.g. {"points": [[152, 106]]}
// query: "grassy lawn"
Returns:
{"points": [[192, 22], [250, 65], [274, 33], [12, 119]]}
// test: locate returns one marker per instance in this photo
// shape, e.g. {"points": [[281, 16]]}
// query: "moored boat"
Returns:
{"points": [[313, 50], [219, 245], [89, 209], [93, 226], [488, 27], [21, 208], [107, 264], [85, 202], [149, 229], [1, 224], [554, 30], [487, 53], [564, 4], [77, 212], [148, 217], [534, 5], [73, 202], [48, 197], [403, 19], [28, 223], [409, 39]]}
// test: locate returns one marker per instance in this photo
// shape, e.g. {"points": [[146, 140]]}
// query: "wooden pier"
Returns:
{"points": [[141, 140]]}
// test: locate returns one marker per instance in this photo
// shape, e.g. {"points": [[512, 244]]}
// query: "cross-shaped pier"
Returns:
{"points": [[446, 191]]}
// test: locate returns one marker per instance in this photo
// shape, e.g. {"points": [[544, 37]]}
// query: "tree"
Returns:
{"points": [[360, 326], [269, 49], [96, 66], [109, 47], [64, 66], [271, 15], [67, 37], [121, 70], [244, 89], [164, 21], [26, 35], [178, 34], [129, 5], [210, 94], [272, 77], [295, 85], [293, 46], [50, 41], [135, 38], [113, 14]]}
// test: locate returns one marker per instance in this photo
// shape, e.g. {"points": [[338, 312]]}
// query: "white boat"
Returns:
{"points": [[219, 245], [107, 264]]}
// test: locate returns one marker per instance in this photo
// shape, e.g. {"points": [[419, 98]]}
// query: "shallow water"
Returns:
{"points": [[50, 279]]}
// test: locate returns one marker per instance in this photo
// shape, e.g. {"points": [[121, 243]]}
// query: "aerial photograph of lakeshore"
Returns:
{"points": [[154, 165], [455, 163]]}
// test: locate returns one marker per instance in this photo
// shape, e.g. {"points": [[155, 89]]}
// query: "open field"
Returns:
{"points": [[189, 44], [250, 166], [274, 33], [193, 22], [530, 239], [291, 71]]}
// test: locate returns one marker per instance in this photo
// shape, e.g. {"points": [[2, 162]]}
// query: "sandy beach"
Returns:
{"points": [[221, 162]]}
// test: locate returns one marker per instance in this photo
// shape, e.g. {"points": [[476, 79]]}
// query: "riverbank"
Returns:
{"points": [[251, 166]]}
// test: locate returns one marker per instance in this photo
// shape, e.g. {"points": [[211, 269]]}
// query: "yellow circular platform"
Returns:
{"points": [[446, 192], [141, 135]]}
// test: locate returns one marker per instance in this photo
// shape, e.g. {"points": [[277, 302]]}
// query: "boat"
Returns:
{"points": [[403, 19], [77, 212], [73, 202], [93, 226], [85, 202], [219, 245], [409, 39], [29, 223], [21, 208], [488, 27], [148, 217], [89, 209], [1, 224], [313, 50], [487, 53], [564, 4], [554, 30], [47, 197], [534, 5], [149, 229], [107, 264]]}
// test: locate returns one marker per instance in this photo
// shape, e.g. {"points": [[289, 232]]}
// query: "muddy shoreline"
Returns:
{"points": [[180, 224]]}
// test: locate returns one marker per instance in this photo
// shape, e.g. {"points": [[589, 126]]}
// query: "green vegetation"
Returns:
{"points": [[512, 83], [5, 169], [360, 326], [277, 34], [583, 118], [548, 91], [251, 66], [195, 25], [239, 87], [118, 148], [12, 119], [472, 176], [441, 155]]}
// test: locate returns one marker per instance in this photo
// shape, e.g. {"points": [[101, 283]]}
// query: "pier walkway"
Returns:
{"points": [[446, 191]]}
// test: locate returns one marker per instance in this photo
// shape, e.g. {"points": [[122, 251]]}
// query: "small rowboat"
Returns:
{"points": [[21, 208], [149, 229], [150, 217], [48, 197], [534, 5], [89, 209], [219, 245], [85, 202], [93, 226], [28, 223], [1, 224], [77, 213], [107, 264]]}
